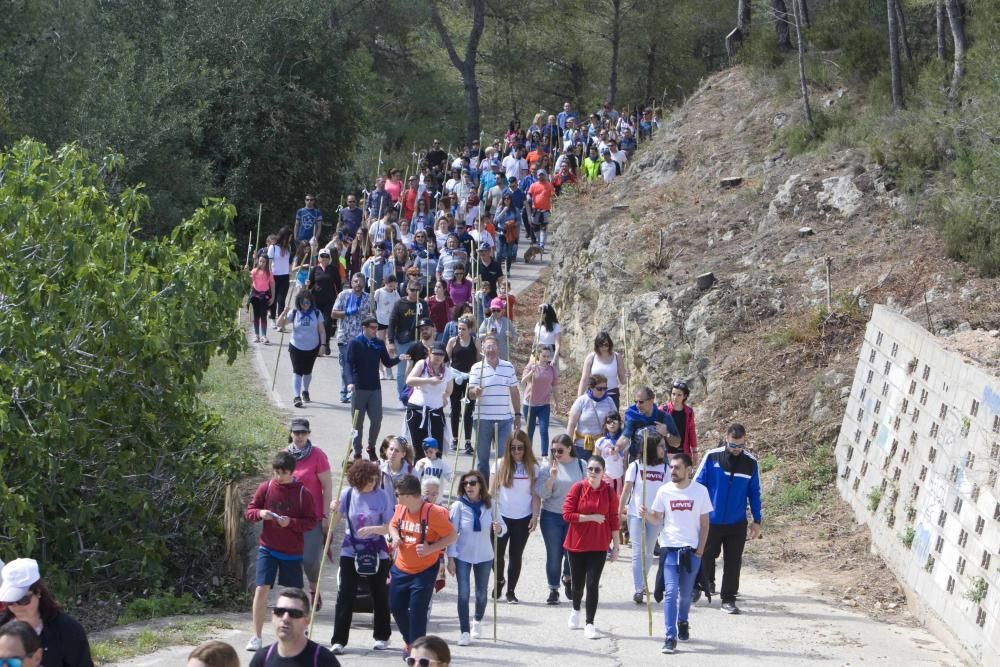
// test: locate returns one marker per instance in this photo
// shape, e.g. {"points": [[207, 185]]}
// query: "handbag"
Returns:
{"points": [[365, 562]]}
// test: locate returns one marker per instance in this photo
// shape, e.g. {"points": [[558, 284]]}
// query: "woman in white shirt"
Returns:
{"points": [[632, 499], [432, 383], [548, 332], [513, 484], [587, 416], [605, 361]]}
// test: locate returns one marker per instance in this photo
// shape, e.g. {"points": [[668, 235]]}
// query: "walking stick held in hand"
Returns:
{"points": [[642, 534], [333, 520], [281, 342], [260, 214]]}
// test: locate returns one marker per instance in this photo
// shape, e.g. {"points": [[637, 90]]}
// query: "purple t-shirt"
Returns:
{"points": [[367, 509]]}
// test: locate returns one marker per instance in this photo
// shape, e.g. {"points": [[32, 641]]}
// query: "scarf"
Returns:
{"points": [[477, 513], [371, 343], [353, 304], [591, 396], [301, 454]]}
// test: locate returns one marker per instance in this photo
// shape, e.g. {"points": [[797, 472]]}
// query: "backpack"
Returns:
{"points": [[270, 651], [365, 562]]}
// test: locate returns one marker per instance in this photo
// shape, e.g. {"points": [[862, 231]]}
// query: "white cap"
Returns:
{"points": [[18, 575]]}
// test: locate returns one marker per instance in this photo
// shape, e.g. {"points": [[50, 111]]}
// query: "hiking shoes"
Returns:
{"points": [[669, 646], [730, 607], [683, 631], [297, 401], [253, 644], [305, 396], [553, 596], [512, 599], [639, 598]]}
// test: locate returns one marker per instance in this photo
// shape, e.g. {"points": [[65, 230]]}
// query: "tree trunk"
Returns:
{"points": [[743, 16], [806, 111], [939, 17], [897, 81], [957, 21], [804, 14], [466, 66], [903, 39], [650, 68], [616, 37], [781, 24]]}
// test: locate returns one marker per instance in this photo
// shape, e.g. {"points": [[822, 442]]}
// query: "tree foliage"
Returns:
{"points": [[107, 473]]}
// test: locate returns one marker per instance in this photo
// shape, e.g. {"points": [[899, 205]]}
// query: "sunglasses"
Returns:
{"points": [[735, 445], [12, 662], [680, 385], [470, 482], [517, 448], [411, 661], [294, 613], [300, 432], [595, 469], [601, 388], [558, 451], [22, 602]]}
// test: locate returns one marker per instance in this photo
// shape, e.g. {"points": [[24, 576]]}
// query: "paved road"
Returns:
{"points": [[784, 622]]}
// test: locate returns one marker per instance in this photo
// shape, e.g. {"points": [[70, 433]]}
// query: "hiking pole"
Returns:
{"points": [[332, 522], [628, 376], [277, 359], [462, 406], [260, 214], [642, 533], [496, 519]]}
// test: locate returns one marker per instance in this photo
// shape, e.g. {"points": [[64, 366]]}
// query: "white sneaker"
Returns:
{"points": [[265, 340], [574, 620], [381, 645], [253, 644], [477, 629], [590, 632], [465, 639], [337, 649]]}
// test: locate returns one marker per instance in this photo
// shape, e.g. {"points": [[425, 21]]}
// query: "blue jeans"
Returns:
{"points": [[342, 360], [485, 430], [582, 453], [634, 538], [678, 588], [463, 574], [554, 534], [539, 414], [401, 348], [409, 598]]}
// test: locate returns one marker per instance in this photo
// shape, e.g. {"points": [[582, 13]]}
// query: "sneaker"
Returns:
{"points": [[669, 646], [381, 645], [498, 589], [639, 598], [553, 596], [264, 340], [372, 456], [256, 339], [253, 644], [305, 397], [468, 448], [683, 631], [465, 639], [345, 398], [730, 607], [511, 598], [337, 649], [574, 619], [297, 401], [591, 632], [477, 629]]}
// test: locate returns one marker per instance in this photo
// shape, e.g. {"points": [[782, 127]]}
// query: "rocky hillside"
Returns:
{"points": [[716, 193]]}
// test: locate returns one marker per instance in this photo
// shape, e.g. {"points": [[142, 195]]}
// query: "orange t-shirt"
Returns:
{"points": [[541, 195], [408, 525]]}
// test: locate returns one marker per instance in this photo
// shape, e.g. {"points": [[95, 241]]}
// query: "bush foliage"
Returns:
{"points": [[107, 475]]}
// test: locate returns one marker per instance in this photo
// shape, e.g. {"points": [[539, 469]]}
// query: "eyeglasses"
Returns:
{"points": [[470, 482], [421, 662], [595, 469], [601, 388], [517, 448], [12, 662], [310, 199], [294, 613], [23, 601], [735, 445]]}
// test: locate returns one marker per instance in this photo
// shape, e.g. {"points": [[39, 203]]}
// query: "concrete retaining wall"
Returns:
{"points": [[918, 460]]}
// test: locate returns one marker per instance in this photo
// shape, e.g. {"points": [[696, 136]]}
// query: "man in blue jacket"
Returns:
{"points": [[364, 352], [732, 478], [644, 414]]}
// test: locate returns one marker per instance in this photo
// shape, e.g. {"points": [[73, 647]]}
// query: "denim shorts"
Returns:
{"points": [[287, 572]]}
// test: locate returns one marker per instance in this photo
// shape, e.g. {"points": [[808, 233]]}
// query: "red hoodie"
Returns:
{"points": [[292, 500], [584, 499]]}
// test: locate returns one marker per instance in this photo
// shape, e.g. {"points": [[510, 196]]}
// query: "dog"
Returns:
{"points": [[531, 253]]}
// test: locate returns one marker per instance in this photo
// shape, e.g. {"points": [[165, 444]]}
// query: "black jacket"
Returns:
{"points": [[363, 356]]}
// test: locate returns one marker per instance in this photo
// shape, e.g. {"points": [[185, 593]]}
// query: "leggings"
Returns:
{"points": [[423, 423], [459, 419], [517, 535], [585, 568], [302, 367], [280, 292], [259, 304]]}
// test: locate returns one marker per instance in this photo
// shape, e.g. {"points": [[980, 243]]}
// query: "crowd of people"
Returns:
{"points": [[422, 300]]}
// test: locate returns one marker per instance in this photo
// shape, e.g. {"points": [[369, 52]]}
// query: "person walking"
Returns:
{"points": [[432, 383], [421, 531], [500, 326], [312, 468], [605, 361], [288, 511], [548, 332], [27, 599], [364, 554], [493, 381], [513, 484], [351, 308], [644, 414], [280, 255], [541, 380], [402, 332], [291, 618], [732, 478], [472, 517], [590, 511], [385, 298], [398, 461], [325, 284], [261, 297], [308, 341], [362, 359], [683, 417], [633, 500], [463, 350], [432, 464], [552, 485], [683, 507], [587, 414]]}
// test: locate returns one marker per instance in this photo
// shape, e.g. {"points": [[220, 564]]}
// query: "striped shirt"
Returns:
{"points": [[496, 384]]}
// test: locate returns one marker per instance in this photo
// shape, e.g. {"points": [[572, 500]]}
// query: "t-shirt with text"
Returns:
{"points": [[682, 510]]}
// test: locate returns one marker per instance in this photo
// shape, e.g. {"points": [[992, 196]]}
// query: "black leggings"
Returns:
{"points": [[280, 293], [433, 425], [259, 304], [302, 360], [457, 418], [517, 535], [329, 323], [585, 568]]}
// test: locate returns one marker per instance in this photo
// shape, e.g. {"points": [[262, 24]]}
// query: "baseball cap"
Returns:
{"points": [[18, 576], [324, 253], [299, 424], [484, 246], [542, 172], [431, 443], [496, 304], [425, 322], [439, 348]]}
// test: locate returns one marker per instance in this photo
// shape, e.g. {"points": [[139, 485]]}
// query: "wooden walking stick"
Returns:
{"points": [[628, 376], [333, 519], [642, 534], [277, 359], [496, 515], [260, 214]]}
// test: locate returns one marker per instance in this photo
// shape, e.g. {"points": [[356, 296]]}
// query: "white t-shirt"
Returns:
{"points": [[608, 170], [511, 167], [614, 463], [496, 384], [682, 510], [592, 414], [430, 396], [438, 467], [655, 475], [384, 301], [515, 502], [279, 261], [546, 337]]}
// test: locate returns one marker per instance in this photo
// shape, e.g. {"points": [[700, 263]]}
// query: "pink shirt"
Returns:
{"points": [[394, 188], [460, 292], [539, 391], [307, 471], [262, 280]]}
